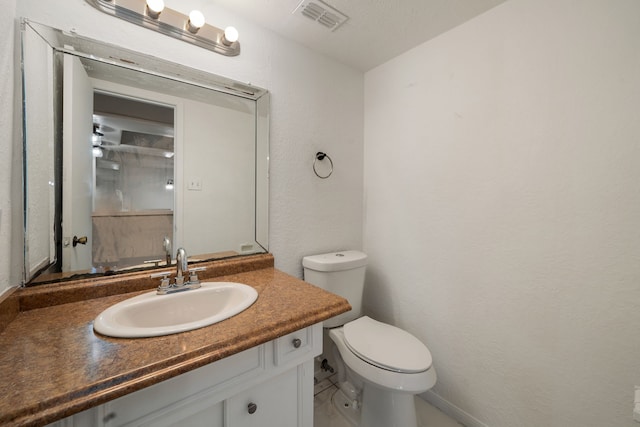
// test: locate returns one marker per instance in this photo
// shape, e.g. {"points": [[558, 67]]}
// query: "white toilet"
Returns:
{"points": [[387, 365]]}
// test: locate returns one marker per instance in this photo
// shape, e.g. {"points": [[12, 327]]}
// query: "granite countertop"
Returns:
{"points": [[53, 364]]}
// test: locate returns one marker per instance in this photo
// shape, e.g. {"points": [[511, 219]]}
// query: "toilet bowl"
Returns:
{"points": [[385, 365], [392, 366]]}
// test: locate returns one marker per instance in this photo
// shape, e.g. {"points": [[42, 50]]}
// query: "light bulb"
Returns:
{"points": [[169, 185], [97, 152], [154, 7], [230, 36], [196, 21]]}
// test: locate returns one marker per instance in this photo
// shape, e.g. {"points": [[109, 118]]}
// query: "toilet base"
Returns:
{"points": [[377, 408], [385, 408]]}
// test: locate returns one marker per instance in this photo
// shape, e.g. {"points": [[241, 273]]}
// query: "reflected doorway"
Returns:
{"points": [[133, 172]]}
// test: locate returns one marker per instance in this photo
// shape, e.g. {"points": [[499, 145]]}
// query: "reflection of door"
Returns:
{"points": [[77, 168]]}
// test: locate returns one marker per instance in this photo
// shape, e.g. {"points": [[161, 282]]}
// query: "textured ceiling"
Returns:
{"points": [[377, 30]]}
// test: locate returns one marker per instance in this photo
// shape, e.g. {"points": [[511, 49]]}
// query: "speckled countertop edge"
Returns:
{"points": [[54, 364]]}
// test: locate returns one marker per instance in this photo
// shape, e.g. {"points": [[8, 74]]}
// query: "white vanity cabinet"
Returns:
{"points": [[267, 385], [276, 402]]}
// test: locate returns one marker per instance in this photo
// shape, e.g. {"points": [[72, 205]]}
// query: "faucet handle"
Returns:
{"points": [[164, 281], [193, 277]]}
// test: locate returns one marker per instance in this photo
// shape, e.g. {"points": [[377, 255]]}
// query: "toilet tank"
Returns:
{"points": [[341, 273]]}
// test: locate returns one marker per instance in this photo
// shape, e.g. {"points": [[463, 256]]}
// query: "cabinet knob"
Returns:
{"points": [[252, 408], [108, 417], [297, 342]]}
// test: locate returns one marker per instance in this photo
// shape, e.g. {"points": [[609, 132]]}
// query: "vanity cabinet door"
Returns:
{"points": [[272, 403], [209, 417], [89, 418], [199, 413], [185, 394]]}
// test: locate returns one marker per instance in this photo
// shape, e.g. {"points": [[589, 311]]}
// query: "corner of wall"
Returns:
{"points": [[10, 154]]}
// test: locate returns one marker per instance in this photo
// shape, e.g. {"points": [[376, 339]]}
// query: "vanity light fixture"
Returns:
{"points": [[152, 14], [230, 36], [195, 22], [154, 8]]}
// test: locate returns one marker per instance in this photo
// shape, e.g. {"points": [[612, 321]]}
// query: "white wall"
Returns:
{"points": [[316, 105], [502, 203], [38, 95], [216, 152], [10, 157]]}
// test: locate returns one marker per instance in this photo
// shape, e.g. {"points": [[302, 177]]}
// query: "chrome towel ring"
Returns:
{"points": [[320, 156]]}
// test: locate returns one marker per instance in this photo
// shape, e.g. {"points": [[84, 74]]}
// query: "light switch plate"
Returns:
{"points": [[194, 184]]}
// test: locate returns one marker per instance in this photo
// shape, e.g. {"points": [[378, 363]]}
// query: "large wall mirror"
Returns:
{"points": [[128, 157]]}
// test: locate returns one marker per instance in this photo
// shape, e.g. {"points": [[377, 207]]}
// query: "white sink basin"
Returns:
{"points": [[150, 315]]}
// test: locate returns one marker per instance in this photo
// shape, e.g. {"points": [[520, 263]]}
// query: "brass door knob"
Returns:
{"points": [[82, 240]]}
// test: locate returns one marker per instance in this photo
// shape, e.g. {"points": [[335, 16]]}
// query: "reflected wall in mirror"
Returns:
{"points": [[133, 172], [128, 158]]}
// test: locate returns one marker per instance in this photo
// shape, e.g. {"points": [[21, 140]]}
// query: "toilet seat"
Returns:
{"points": [[386, 346]]}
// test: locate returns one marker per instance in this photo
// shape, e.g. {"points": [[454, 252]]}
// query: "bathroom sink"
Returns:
{"points": [[150, 315]]}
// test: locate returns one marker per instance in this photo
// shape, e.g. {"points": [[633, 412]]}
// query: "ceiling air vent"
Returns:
{"points": [[322, 13]]}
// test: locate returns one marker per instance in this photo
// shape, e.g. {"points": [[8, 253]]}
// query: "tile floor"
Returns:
{"points": [[326, 415]]}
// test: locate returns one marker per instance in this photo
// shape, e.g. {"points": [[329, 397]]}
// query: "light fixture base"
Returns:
{"points": [[170, 23]]}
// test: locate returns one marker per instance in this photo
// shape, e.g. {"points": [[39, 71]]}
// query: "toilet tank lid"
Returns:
{"points": [[335, 261]]}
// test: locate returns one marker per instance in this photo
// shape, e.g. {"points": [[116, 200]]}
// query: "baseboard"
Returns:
{"points": [[452, 410]]}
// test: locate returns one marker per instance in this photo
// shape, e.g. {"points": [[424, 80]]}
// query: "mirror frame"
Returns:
{"points": [[83, 47]]}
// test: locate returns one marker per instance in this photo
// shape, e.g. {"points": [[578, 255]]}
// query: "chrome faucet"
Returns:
{"points": [[166, 244], [182, 271], [181, 265]]}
